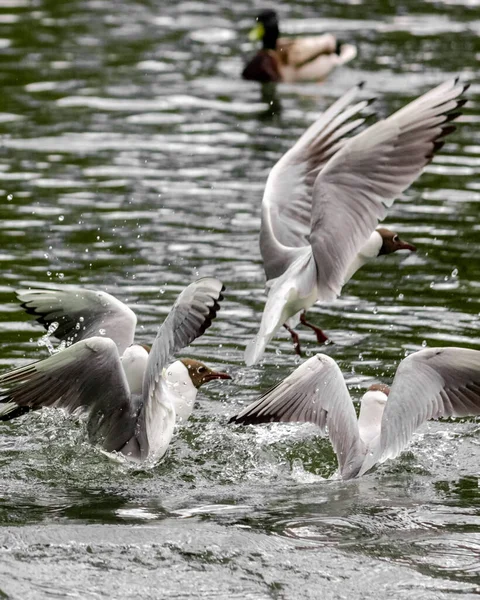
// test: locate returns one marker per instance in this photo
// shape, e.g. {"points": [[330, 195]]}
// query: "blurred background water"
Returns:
{"points": [[133, 159]]}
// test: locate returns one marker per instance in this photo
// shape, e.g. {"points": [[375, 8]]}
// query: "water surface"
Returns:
{"points": [[133, 159]]}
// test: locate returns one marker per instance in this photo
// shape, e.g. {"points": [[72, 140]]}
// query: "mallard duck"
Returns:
{"points": [[295, 59]]}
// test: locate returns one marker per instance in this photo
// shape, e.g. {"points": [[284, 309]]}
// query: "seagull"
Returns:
{"points": [[74, 313], [429, 384], [132, 396], [324, 198]]}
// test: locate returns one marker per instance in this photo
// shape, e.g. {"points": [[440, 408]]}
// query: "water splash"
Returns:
{"points": [[46, 341]]}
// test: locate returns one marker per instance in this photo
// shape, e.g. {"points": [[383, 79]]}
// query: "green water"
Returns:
{"points": [[133, 159]]}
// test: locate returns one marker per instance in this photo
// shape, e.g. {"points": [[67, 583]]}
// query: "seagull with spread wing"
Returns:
{"points": [[132, 396], [429, 384], [325, 197]]}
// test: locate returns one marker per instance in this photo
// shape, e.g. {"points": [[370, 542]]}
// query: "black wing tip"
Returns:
{"points": [[42, 319], [31, 310], [221, 297], [451, 116], [437, 145], [212, 312], [236, 420], [446, 131], [39, 316], [14, 413], [252, 419], [457, 80], [454, 113]]}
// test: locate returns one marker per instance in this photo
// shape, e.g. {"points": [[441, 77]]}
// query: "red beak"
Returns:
{"points": [[217, 375], [406, 246]]}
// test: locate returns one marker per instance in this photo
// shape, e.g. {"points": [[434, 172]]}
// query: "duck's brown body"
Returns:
{"points": [[264, 67]]}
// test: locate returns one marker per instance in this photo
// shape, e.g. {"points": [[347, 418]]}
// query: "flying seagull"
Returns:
{"points": [[131, 396], [429, 384], [324, 198]]}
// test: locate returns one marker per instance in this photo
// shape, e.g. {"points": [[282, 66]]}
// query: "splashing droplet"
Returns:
{"points": [[46, 341]]}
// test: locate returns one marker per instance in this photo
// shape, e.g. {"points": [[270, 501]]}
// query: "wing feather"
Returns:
{"points": [[352, 192], [81, 314], [430, 384], [316, 393], [287, 200], [191, 315], [88, 376]]}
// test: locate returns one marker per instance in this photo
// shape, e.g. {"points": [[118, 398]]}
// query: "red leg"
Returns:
{"points": [[321, 337], [295, 339]]}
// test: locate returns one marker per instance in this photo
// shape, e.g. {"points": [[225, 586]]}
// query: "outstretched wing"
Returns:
{"points": [[87, 376], [287, 200], [193, 312], [432, 383], [315, 393], [81, 314], [353, 190]]}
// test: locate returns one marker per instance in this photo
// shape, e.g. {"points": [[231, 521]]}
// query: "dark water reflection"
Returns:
{"points": [[133, 159]]}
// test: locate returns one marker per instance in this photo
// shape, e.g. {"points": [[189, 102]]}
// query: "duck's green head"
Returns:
{"points": [[266, 29]]}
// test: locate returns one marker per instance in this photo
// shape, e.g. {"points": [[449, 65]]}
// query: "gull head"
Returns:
{"points": [[382, 388], [371, 412], [200, 373], [391, 242], [134, 362], [374, 400]]}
